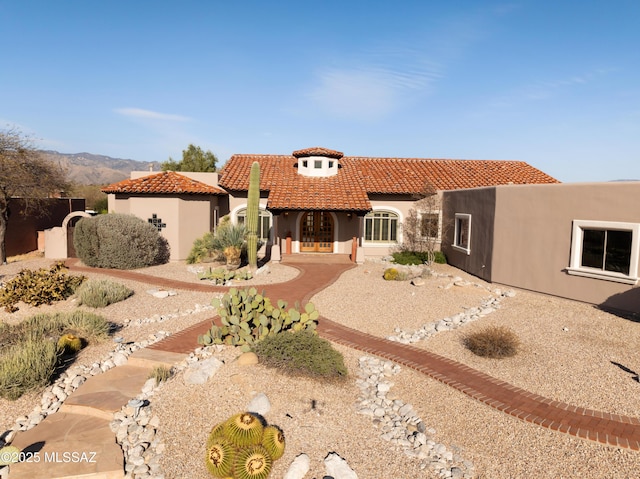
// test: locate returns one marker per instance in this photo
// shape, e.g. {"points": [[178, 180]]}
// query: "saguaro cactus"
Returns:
{"points": [[253, 201]]}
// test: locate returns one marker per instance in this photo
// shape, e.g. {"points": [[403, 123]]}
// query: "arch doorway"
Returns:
{"points": [[316, 232]]}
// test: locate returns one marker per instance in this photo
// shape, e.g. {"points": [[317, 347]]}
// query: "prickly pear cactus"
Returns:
{"points": [[247, 317]]}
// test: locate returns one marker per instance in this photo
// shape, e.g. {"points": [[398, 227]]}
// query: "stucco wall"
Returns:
{"points": [[22, 229], [186, 217], [532, 236], [480, 203]]}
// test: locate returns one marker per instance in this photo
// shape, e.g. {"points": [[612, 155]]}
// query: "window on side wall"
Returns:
{"points": [[381, 227], [430, 225], [606, 250], [264, 222], [462, 233]]}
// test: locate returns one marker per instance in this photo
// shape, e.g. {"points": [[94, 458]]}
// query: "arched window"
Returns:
{"points": [[264, 222], [381, 227]]}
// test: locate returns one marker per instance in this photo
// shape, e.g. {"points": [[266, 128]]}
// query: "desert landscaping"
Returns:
{"points": [[570, 352]]}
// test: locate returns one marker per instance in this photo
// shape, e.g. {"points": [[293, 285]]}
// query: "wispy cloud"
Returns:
{"points": [[374, 87], [150, 115], [544, 89]]}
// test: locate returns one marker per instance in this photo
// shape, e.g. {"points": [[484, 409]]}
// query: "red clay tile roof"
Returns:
{"points": [[318, 151], [167, 182], [359, 176]]}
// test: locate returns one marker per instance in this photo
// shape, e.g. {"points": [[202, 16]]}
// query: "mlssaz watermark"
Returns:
{"points": [[73, 457]]}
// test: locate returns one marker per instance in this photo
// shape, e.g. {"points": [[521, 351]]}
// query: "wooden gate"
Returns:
{"points": [[316, 232]]}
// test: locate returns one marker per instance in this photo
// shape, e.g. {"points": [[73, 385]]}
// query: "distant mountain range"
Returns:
{"points": [[89, 169]]}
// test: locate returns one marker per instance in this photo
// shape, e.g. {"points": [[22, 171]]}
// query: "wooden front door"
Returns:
{"points": [[316, 232]]}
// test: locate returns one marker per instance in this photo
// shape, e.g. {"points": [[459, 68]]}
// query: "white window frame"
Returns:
{"points": [[398, 219], [456, 234], [261, 211], [577, 237]]}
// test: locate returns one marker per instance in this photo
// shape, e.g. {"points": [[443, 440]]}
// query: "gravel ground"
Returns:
{"points": [[569, 351]]}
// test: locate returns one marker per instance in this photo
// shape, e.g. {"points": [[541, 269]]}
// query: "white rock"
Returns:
{"points": [[119, 359], [338, 467], [259, 404], [200, 372], [298, 468]]}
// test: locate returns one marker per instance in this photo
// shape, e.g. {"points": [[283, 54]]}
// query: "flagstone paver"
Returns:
{"points": [[82, 424]]}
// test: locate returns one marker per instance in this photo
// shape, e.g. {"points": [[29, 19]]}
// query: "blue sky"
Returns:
{"points": [[553, 83]]}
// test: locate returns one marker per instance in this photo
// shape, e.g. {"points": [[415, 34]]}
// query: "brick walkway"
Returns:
{"points": [[605, 428]]}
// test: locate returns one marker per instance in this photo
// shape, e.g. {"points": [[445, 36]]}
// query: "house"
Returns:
{"points": [[579, 241], [315, 200]]}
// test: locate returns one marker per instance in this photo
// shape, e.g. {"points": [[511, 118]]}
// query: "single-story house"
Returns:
{"points": [[574, 240], [315, 200]]}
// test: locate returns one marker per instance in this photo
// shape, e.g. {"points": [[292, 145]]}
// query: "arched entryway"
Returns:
{"points": [[316, 232]]}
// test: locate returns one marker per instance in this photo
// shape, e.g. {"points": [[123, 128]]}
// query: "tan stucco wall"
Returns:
{"points": [[532, 236], [186, 217]]}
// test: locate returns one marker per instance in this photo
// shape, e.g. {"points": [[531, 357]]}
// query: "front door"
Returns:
{"points": [[316, 232]]}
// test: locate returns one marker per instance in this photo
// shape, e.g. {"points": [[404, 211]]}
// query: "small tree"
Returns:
{"points": [[26, 174], [193, 159], [422, 229]]}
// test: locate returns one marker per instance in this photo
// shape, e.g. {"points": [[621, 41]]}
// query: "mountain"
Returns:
{"points": [[90, 169]]}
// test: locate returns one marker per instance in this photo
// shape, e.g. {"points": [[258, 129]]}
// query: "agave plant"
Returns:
{"points": [[230, 239]]}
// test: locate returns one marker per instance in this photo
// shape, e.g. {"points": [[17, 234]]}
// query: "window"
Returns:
{"points": [[264, 222], [381, 227], [305, 163], [330, 164], [317, 164], [430, 225], [462, 233], [606, 250]]}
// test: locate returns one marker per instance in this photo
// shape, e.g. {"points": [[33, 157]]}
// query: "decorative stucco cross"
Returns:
{"points": [[157, 222]]}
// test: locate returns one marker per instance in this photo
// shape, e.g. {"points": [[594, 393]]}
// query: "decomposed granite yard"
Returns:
{"points": [[571, 352]]}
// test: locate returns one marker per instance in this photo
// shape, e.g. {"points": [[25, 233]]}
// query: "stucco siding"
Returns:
{"points": [[534, 231], [480, 204]]}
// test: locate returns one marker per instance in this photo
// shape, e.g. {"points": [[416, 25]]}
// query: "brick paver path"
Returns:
{"points": [[611, 429]]}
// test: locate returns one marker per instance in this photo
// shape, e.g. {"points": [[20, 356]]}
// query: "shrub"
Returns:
{"points": [[202, 249], [29, 353], [418, 257], [100, 293], [119, 241], [301, 353], [27, 366], [493, 342], [160, 373], [87, 325], [39, 287]]}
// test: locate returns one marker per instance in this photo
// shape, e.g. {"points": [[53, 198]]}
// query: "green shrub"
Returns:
{"points": [[119, 241], [29, 353], [98, 293], [27, 366], [202, 249], [418, 257], [493, 342], [39, 287], [89, 326], [160, 373], [301, 353]]}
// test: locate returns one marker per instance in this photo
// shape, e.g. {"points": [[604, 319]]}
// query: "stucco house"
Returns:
{"points": [[574, 240], [315, 200]]}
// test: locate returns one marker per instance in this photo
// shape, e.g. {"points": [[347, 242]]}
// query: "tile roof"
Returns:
{"points": [[359, 176], [318, 151], [167, 182]]}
